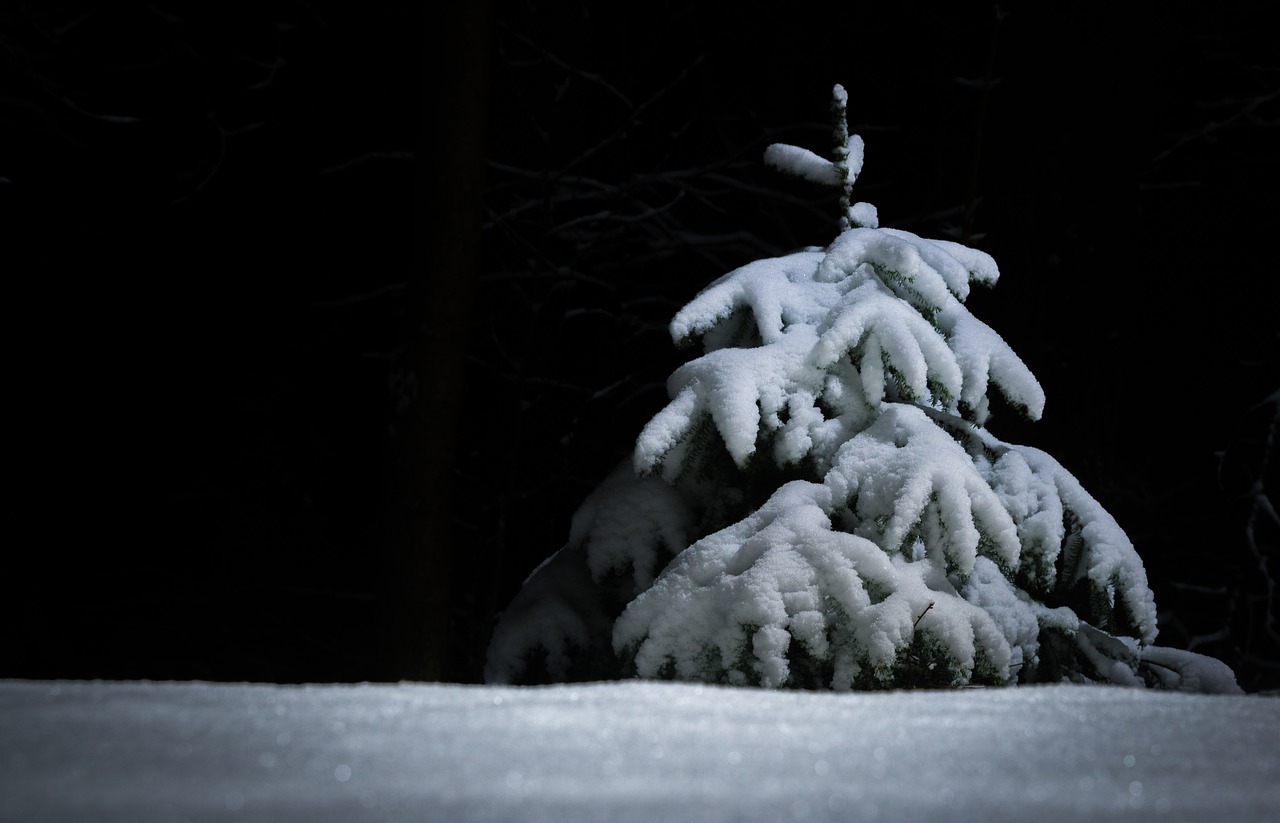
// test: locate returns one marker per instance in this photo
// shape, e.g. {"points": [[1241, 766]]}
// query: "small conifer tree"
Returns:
{"points": [[821, 506]]}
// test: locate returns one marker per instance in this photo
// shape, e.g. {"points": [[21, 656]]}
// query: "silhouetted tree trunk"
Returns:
{"points": [[427, 376]]}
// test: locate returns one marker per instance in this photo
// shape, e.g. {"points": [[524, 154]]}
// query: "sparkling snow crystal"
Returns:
{"points": [[819, 505]]}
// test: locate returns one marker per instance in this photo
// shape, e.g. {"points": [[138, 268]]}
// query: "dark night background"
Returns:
{"points": [[213, 223]]}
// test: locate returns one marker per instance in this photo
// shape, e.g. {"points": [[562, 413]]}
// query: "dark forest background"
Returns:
{"points": [[242, 246]]}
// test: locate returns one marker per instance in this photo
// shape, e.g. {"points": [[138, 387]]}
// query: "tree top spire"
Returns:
{"points": [[842, 171]]}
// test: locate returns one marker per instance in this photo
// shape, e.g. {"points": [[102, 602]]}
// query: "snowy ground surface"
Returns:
{"points": [[633, 751]]}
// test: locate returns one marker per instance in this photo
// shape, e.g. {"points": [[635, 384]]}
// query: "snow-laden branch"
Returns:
{"points": [[783, 590], [885, 301]]}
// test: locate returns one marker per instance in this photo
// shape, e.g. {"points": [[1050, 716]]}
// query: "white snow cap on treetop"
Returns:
{"points": [[843, 171]]}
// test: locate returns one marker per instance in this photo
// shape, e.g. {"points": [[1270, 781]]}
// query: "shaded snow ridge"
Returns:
{"points": [[820, 506]]}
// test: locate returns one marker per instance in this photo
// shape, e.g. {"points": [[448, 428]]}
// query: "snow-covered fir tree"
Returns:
{"points": [[820, 504]]}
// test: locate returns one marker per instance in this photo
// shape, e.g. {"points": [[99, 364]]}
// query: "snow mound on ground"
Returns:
{"points": [[130, 752]]}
